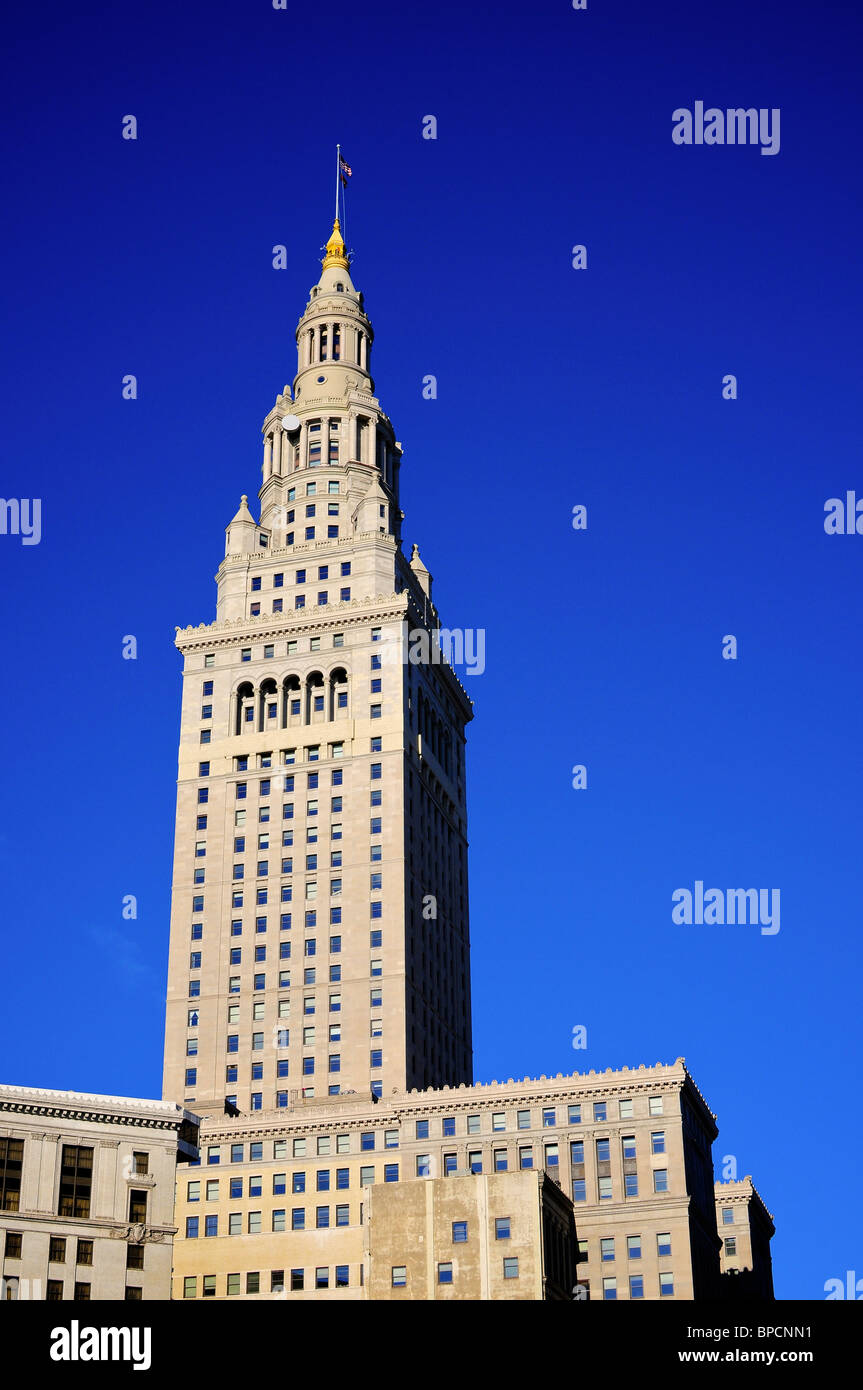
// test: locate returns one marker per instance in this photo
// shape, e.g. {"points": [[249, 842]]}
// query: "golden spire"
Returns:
{"points": [[336, 254]]}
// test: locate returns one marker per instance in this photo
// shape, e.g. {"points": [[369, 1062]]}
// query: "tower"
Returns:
{"points": [[319, 923]]}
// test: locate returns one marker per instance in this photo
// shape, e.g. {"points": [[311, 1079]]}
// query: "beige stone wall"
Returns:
{"points": [[411, 1227]]}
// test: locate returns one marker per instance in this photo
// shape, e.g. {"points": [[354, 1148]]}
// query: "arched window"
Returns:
{"points": [[315, 698], [268, 705], [337, 342], [292, 709], [338, 702], [323, 356], [245, 707]]}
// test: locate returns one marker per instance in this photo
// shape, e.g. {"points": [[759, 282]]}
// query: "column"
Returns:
{"points": [[277, 449], [373, 442]]}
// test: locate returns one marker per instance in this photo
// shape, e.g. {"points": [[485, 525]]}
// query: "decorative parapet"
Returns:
{"points": [[80, 1105]]}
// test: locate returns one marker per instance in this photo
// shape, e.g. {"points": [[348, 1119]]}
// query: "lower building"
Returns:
{"points": [[87, 1194], [280, 1204], [475, 1237], [746, 1229]]}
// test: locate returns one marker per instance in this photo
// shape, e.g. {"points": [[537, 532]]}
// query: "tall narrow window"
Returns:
{"points": [[76, 1180], [11, 1159]]}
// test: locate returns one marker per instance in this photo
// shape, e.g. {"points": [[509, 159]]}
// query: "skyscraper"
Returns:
{"points": [[318, 1014], [319, 929]]}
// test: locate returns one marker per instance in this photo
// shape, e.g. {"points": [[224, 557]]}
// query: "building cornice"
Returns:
{"points": [[79, 1105]]}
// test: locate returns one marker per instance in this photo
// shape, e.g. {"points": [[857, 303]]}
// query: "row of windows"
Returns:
{"points": [[371, 1140], [301, 576], [634, 1247], [605, 1190], [636, 1287], [55, 1292], [509, 1269], [312, 832], [59, 1247], [252, 1222], [308, 1065], [210, 657], [321, 1278]]}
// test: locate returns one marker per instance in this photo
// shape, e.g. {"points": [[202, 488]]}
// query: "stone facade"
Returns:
{"points": [[87, 1194], [745, 1228], [319, 929], [286, 1196], [473, 1238]]}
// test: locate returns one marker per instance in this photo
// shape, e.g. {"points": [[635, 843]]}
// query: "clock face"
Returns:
{"points": [[290, 423]]}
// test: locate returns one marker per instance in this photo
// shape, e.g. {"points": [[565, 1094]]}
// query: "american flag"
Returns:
{"points": [[346, 171]]}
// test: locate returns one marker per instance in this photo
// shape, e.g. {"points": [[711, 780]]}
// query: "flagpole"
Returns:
{"points": [[338, 167]]}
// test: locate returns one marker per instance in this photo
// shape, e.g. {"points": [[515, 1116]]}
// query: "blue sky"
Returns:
{"points": [[555, 387]]}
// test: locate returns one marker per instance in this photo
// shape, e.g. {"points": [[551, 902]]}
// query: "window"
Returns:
{"points": [[57, 1250], [367, 1175], [192, 1227], [633, 1247], [549, 1117], [606, 1248], [663, 1244], [134, 1257], [11, 1160], [636, 1286], [666, 1286], [605, 1193], [76, 1176], [523, 1119], [500, 1161], [609, 1289], [525, 1157], [423, 1165], [660, 1179], [448, 1126], [630, 1184], [84, 1254], [502, 1228], [399, 1276], [579, 1190], [600, 1111], [190, 1286], [730, 1245], [444, 1272], [655, 1105], [628, 1146], [625, 1109], [209, 1289], [510, 1267], [728, 1216], [657, 1141]]}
